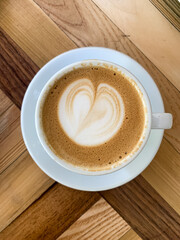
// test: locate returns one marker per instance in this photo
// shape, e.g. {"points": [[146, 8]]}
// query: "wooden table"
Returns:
{"points": [[33, 206]]}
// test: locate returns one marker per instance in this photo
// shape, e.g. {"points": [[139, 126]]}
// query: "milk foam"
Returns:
{"points": [[90, 116]]}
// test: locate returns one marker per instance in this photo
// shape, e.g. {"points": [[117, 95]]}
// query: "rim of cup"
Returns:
{"points": [[69, 68]]}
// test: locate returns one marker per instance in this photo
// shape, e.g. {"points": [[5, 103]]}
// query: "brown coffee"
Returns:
{"points": [[93, 118]]}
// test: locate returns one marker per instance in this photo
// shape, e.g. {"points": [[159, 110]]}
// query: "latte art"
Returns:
{"points": [[93, 118], [90, 116]]}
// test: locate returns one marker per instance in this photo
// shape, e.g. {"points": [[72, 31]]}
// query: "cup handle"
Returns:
{"points": [[162, 121]]}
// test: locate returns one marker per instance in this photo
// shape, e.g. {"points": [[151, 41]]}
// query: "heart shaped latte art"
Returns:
{"points": [[90, 117]]}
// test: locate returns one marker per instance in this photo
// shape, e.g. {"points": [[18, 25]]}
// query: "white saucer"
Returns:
{"points": [[53, 169]]}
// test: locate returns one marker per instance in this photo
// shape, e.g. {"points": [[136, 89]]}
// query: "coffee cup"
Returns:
{"points": [[151, 120]]}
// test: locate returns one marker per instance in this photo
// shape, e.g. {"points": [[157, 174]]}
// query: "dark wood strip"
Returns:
{"points": [[51, 214], [100, 222], [16, 69], [170, 9], [7, 119], [139, 188], [79, 20], [21, 183], [145, 210], [87, 25], [5, 103]]}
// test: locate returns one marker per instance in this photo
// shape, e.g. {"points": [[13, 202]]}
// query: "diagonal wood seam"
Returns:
{"points": [[130, 235], [6, 108], [16, 102], [9, 108], [25, 151], [57, 194], [118, 28], [124, 34], [129, 40], [134, 45], [172, 136], [13, 161], [164, 11], [100, 217], [173, 146], [131, 15], [118, 197]]}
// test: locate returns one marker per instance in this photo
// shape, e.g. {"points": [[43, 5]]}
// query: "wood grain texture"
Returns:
{"points": [[164, 174], [108, 35], [11, 147], [11, 142], [130, 235], [144, 210], [32, 30], [16, 63], [81, 19], [159, 42], [20, 185], [7, 119], [5, 102], [51, 214], [100, 222], [16, 69], [170, 9]]}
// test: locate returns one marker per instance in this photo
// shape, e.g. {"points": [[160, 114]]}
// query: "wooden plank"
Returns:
{"points": [[19, 70], [31, 29], [107, 34], [16, 69], [101, 221], [68, 17], [20, 185], [164, 174], [170, 9], [159, 42], [11, 148], [11, 142], [5, 102], [144, 210], [140, 185], [165, 181], [130, 235], [8, 118], [51, 214]]}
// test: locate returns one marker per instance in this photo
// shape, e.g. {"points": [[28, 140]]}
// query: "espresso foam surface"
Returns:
{"points": [[93, 117], [90, 116]]}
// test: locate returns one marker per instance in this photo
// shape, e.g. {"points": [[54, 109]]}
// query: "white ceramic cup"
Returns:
{"points": [[153, 120]]}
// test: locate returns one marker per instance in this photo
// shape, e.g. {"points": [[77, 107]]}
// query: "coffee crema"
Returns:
{"points": [[93, 118], [90, 116]]}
